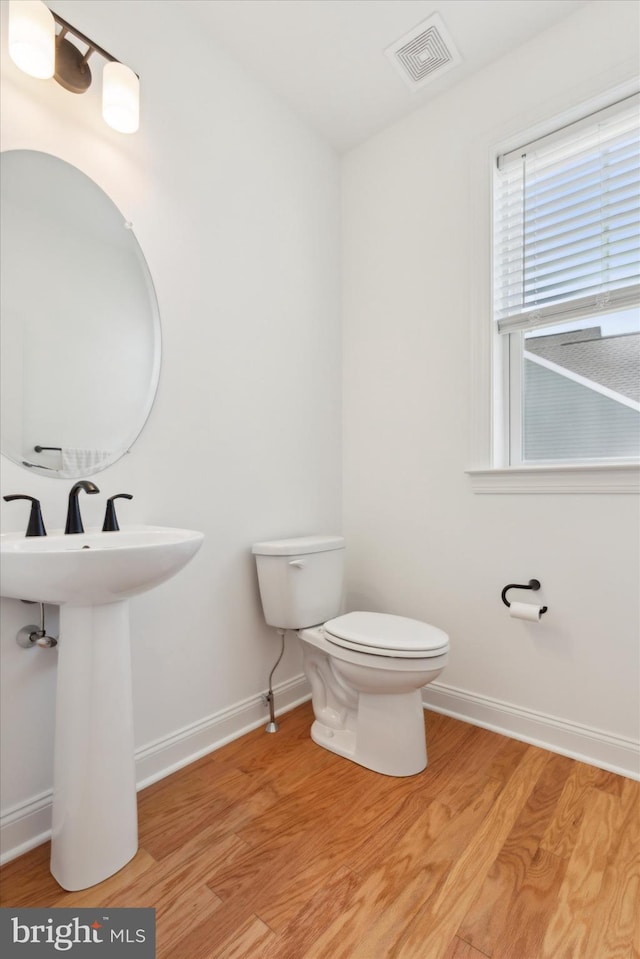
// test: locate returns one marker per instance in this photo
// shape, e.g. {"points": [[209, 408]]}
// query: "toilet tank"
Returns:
{"points": [[300, 580]]}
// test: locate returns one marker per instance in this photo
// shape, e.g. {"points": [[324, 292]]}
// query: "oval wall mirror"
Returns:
{"points": [[80, 328]]}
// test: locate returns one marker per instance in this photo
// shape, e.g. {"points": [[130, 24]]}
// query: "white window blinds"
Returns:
{"points": [[567, 222]]}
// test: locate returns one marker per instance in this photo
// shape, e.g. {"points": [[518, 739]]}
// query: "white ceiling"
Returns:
{"points": [[326, 57]]}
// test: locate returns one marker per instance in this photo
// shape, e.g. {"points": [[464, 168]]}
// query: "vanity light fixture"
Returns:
{"points": [[38, 49]]}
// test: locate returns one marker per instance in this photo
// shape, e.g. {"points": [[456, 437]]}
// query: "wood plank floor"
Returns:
{"points": [[273, 848]]}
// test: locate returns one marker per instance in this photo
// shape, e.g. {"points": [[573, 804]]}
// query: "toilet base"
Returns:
{"points": [[385, 734]]}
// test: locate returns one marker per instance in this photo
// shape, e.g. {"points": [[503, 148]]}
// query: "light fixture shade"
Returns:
{"points": [[32, 38], [120, 97]]}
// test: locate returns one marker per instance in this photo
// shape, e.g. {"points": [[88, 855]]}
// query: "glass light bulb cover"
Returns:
{"points": [[32, 38], [120, 97]]}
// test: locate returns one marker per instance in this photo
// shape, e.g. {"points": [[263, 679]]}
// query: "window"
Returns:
{"points": [[566, 263]]}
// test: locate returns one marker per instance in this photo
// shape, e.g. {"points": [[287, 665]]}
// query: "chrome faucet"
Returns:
{"points": [[74, 520]]}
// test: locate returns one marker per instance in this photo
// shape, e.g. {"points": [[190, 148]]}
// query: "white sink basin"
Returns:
{"points": [[92, 568], [91, 576]]}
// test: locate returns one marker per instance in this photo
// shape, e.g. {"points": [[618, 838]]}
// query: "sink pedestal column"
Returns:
{"points": [[95, 821]]}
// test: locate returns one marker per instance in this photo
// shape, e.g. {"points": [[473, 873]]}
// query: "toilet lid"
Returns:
{"points": [[382, 634]]}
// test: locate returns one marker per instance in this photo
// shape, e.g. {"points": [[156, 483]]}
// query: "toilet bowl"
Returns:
{"points": [[365, 669], [367, 704]]}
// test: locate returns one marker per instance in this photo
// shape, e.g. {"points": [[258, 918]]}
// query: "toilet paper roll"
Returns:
{"points": [[525, 611]]}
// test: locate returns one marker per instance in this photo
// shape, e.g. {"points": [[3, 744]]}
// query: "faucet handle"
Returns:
{"points": [[36, 525], [110, 524]]}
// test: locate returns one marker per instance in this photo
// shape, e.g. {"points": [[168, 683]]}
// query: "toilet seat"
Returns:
{"points": [[381, 634]]}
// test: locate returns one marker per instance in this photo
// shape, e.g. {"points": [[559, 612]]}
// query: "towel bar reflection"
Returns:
{"points": [[38, 466], [532, 584]]}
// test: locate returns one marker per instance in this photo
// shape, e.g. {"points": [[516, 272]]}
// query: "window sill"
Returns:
{"points": [[618, 478]]}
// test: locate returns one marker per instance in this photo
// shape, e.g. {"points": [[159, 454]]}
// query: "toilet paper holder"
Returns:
{"points": [[532, 584]]}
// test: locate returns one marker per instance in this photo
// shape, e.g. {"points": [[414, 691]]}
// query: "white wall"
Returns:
{"points": [[420, 541], [236, 206]]}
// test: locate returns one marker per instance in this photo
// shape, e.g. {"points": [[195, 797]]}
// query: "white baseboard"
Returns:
{"points": [[167, 755], [592, 746], [25, 826], [28, 824]]}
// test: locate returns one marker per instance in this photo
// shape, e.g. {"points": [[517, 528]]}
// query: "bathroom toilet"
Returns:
{"points": [[365, 669]]}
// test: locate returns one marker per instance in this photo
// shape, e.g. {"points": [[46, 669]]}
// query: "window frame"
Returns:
{"points": [[491, 417]]}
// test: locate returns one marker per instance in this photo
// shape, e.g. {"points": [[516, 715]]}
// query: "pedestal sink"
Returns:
{"points": [[91, 576]]}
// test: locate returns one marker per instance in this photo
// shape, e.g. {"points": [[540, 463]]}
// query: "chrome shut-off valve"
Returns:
{"points": [[30, 636]]}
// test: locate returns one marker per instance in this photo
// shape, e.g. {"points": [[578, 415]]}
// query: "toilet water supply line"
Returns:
{"points": [[272, 726]]}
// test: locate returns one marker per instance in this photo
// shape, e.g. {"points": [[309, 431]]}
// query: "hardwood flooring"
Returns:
{"points": [[273, 848]]}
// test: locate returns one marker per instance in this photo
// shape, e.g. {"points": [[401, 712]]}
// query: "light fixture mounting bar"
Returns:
{"points": [[68, 28]]}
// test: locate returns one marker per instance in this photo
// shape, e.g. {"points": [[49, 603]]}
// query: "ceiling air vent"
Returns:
{"points": [[425, 53]]}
